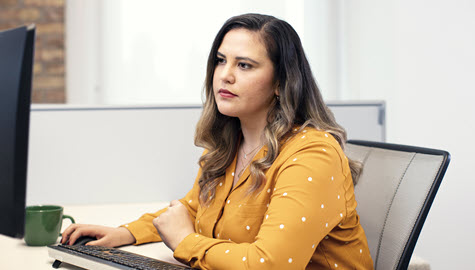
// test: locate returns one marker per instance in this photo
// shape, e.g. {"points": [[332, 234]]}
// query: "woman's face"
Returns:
{"points": [[243, 81]]}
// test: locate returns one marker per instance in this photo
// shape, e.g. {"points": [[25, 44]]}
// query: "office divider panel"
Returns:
{"points": [[135, 154]]}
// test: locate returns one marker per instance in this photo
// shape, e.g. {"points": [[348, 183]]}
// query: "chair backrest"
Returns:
{"points": [[394, 193]]}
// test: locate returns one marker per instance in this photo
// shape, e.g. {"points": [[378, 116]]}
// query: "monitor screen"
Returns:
{"points": [[16, 67]]}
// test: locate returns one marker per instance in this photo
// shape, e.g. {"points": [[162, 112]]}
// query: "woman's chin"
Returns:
{"points": [[224, 110]]}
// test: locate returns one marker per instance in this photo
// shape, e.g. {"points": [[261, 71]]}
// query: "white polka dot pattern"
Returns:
{"points": [[298, 181]]}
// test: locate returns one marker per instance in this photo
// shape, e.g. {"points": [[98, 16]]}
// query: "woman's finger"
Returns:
{"points": [[100, 242], [84, 230], [67, 233], [174, 203]]}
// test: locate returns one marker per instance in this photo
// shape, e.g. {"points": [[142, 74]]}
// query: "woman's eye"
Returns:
{"points": [[220, 60], [244, 65]]}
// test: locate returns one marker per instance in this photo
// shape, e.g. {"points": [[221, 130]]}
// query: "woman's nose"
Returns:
{"points": [[227, 74]]}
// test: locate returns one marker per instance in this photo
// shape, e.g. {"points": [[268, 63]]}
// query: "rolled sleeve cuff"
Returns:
{"points": [[187, 247], [142, 233]]}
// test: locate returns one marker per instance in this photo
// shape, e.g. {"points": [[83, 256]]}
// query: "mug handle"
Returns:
{"points": [[70, 218]]}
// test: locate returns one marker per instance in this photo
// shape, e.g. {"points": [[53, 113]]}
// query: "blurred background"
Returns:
{"points": [[418, 56]]}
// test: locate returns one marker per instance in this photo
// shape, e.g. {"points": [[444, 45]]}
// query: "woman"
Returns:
{"points": [[275, 189]]}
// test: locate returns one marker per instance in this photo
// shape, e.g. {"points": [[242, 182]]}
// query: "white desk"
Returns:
{"points": [[15, 254]]}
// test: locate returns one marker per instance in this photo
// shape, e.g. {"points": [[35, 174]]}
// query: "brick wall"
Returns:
{"points": [[49, 69]]}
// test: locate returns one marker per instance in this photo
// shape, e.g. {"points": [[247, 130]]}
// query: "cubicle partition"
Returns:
{"points": [[129, 154]]}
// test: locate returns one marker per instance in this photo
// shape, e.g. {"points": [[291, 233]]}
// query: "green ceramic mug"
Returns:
{"points": [[43, 224]]}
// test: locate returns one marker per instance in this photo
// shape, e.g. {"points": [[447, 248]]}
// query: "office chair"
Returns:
{"points": [[394, 193]]}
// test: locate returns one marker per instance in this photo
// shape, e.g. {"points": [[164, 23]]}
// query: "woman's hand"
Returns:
{"points": [[106, 236], [174, 224]]}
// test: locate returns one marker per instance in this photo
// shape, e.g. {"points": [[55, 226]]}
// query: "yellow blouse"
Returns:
{"points": [[304, 217]]}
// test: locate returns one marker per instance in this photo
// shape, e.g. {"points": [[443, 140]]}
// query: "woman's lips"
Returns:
{"points": [[226, 93]]}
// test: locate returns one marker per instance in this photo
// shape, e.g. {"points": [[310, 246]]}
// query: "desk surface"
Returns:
{"points": [[15, 254]]}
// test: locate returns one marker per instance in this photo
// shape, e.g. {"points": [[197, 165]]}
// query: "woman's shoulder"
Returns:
{"points": [[310, 137], [312, 145]]}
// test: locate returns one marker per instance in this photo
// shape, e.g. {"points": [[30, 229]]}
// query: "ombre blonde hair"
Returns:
{"points": [[300, 103]]}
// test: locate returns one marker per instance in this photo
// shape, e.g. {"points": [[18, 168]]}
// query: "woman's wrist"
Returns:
{"points": [[126, 237]]}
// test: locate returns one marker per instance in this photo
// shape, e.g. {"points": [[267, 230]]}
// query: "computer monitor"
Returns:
{"points": [[16, 68]]}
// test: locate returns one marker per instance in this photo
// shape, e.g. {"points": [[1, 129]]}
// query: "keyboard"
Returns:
{"points": [[97, 257]]}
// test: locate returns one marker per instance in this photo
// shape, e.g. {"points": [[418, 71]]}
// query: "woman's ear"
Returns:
{"points": [[277, 85]]}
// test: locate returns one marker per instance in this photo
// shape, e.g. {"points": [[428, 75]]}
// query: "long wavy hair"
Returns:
{"points": [[300, 103]]}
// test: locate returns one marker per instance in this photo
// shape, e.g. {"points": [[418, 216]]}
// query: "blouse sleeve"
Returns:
{"points": [[306, 204], [143, 229]]}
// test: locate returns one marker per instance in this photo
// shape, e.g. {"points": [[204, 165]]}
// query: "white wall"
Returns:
{"points": [[419, 56], [148, 52]]}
